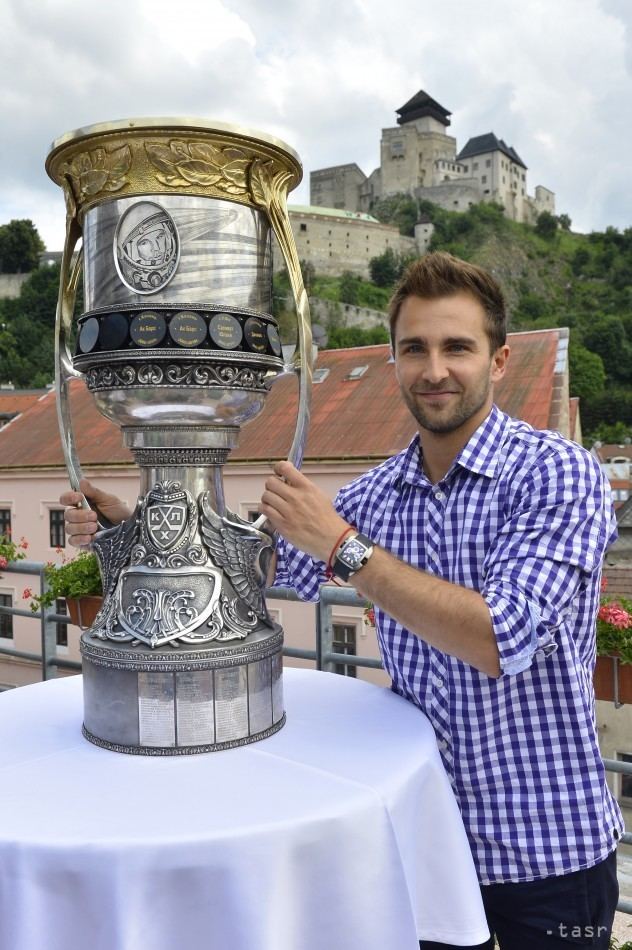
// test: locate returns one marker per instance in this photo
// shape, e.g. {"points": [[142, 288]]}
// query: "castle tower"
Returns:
{"points": [[411, 150]]}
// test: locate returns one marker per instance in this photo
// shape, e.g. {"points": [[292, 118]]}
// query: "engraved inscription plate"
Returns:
{"points": [[187, 328], [194, 708], [255, 335], [231, 704], [148, 329], [277, 687], [260, 695], [225, 331], [156, 709]]}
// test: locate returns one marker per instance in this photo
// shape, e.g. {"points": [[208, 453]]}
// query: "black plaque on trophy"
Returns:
{"points": [[187, 328], [225, 331], [113, 331], [89, 335], [255, 335], [274, 339], [148, 328]]}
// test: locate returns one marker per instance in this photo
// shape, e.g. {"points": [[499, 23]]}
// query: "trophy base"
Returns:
{"points": [[146, 702]]}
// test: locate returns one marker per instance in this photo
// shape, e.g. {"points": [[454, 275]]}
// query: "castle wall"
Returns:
{"points": [[337, 187], [335, 243], [408, 157], [452, 195]]}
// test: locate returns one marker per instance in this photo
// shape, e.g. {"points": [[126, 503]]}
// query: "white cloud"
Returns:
{"points": [[553, 80]]}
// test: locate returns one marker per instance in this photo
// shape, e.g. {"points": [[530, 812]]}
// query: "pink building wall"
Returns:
{"points": [[31, 495]]}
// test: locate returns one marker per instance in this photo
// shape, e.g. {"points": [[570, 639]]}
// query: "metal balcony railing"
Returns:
{"points": [[323, 656]]}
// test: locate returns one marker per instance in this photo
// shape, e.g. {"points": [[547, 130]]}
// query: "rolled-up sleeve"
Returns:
{"points": [[554, 539]]}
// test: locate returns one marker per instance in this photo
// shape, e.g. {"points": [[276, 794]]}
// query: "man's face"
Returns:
{"points": [[443, 362]]}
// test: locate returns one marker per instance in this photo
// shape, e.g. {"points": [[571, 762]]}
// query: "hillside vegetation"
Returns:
{"points": [[551, 277]]}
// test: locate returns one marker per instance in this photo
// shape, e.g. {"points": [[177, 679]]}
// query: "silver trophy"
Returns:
{"points": [[171, 222]]}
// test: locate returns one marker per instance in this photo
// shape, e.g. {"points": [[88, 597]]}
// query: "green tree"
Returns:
{"points": [[400, 210], [605, 335], [20, 247], [349, 287], [587, 373], [546, 225], [564, 222], [384, 268], [340, 337]]}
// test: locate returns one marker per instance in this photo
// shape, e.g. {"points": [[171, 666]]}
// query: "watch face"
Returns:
{"points": [[352, 553]]}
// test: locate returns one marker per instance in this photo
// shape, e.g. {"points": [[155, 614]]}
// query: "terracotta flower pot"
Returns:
{"points": [[604, 679], [83, 610]]}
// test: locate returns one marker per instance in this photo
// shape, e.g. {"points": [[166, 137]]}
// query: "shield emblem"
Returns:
{"points": [[166, 524]]}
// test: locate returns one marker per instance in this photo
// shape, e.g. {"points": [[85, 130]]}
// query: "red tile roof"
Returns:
{"points": [[14, 401], [351, 419]]}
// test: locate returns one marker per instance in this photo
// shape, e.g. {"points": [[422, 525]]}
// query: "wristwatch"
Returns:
{"points": [[352, 555]]}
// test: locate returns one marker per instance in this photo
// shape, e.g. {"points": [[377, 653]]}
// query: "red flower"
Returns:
{"points": [[27, 593], [3, 562], [615, 615], [604, 584], [24, 544]]}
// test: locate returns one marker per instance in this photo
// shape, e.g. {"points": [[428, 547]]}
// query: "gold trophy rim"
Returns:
{"points": [[163, 124]]}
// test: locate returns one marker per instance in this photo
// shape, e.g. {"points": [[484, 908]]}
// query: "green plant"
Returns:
{"points": [[10, 551], [78, 577], [614, 627]]}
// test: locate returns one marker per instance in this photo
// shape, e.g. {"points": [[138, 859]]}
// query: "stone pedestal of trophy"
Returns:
{"points": [[178, 344]]}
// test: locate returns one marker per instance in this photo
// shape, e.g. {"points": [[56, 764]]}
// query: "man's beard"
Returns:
{"points": [[466, 407]]}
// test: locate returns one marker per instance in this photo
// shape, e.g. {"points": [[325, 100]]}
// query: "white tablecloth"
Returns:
{"points": [[340, 832]]}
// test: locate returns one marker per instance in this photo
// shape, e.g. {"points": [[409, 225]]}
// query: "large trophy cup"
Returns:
{"points": [[178, 345]]}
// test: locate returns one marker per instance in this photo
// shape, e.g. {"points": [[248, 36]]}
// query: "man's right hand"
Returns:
{"points": [[81, 523]]}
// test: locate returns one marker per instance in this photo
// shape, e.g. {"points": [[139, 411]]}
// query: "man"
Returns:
{"points": [[481, 547]]}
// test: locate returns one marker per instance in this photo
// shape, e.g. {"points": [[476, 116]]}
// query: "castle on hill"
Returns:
{"points": [[418, 157]]}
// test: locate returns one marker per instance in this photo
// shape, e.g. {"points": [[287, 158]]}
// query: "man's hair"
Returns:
{"points": [[442, 275]]}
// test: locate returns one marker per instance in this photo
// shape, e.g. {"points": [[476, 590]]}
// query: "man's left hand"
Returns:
{"points": [[301, 512]]}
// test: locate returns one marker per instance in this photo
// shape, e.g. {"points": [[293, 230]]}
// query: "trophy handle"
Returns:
{"points": [[71, 264], [273, 198]]}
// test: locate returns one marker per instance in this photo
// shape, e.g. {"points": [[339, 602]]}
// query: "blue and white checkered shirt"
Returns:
{"points": [[524, 517]]}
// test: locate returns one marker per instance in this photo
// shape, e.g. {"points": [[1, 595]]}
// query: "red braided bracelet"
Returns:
{"points": [[329, 572]]}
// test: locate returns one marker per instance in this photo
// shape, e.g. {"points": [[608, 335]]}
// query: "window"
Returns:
{"points": [[61, 629], [344, 641], [5, 522], [57, 529], [304, 228], [625, 787], [484, 179], [6, 620], [475, 167], [488, 163]]}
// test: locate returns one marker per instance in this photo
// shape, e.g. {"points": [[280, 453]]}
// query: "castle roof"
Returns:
{"points": [[422, 105], [489, 142], [332, 213], [355, 415]]}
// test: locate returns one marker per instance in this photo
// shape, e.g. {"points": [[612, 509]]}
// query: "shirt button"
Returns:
{"points": [[439, 495], [437, 681]]}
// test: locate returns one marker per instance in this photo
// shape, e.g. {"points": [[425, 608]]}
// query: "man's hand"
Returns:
{"points": [[301, 512], [81, 523]]}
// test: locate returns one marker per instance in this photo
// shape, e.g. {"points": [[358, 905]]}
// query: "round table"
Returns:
{"points": [[340, 831]]}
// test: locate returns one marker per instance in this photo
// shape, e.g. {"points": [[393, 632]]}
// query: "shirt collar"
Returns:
{"points": [[479, 455]]}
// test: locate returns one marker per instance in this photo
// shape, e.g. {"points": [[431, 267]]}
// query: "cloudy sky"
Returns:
{"points": [[554, 79]]}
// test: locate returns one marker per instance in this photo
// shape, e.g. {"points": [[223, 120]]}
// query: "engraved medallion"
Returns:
{"points": [[187, 328], [225, 331], [88, 335], [274, 340], [146, 248], [113, 331], [148, 328], [255, 335]]}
